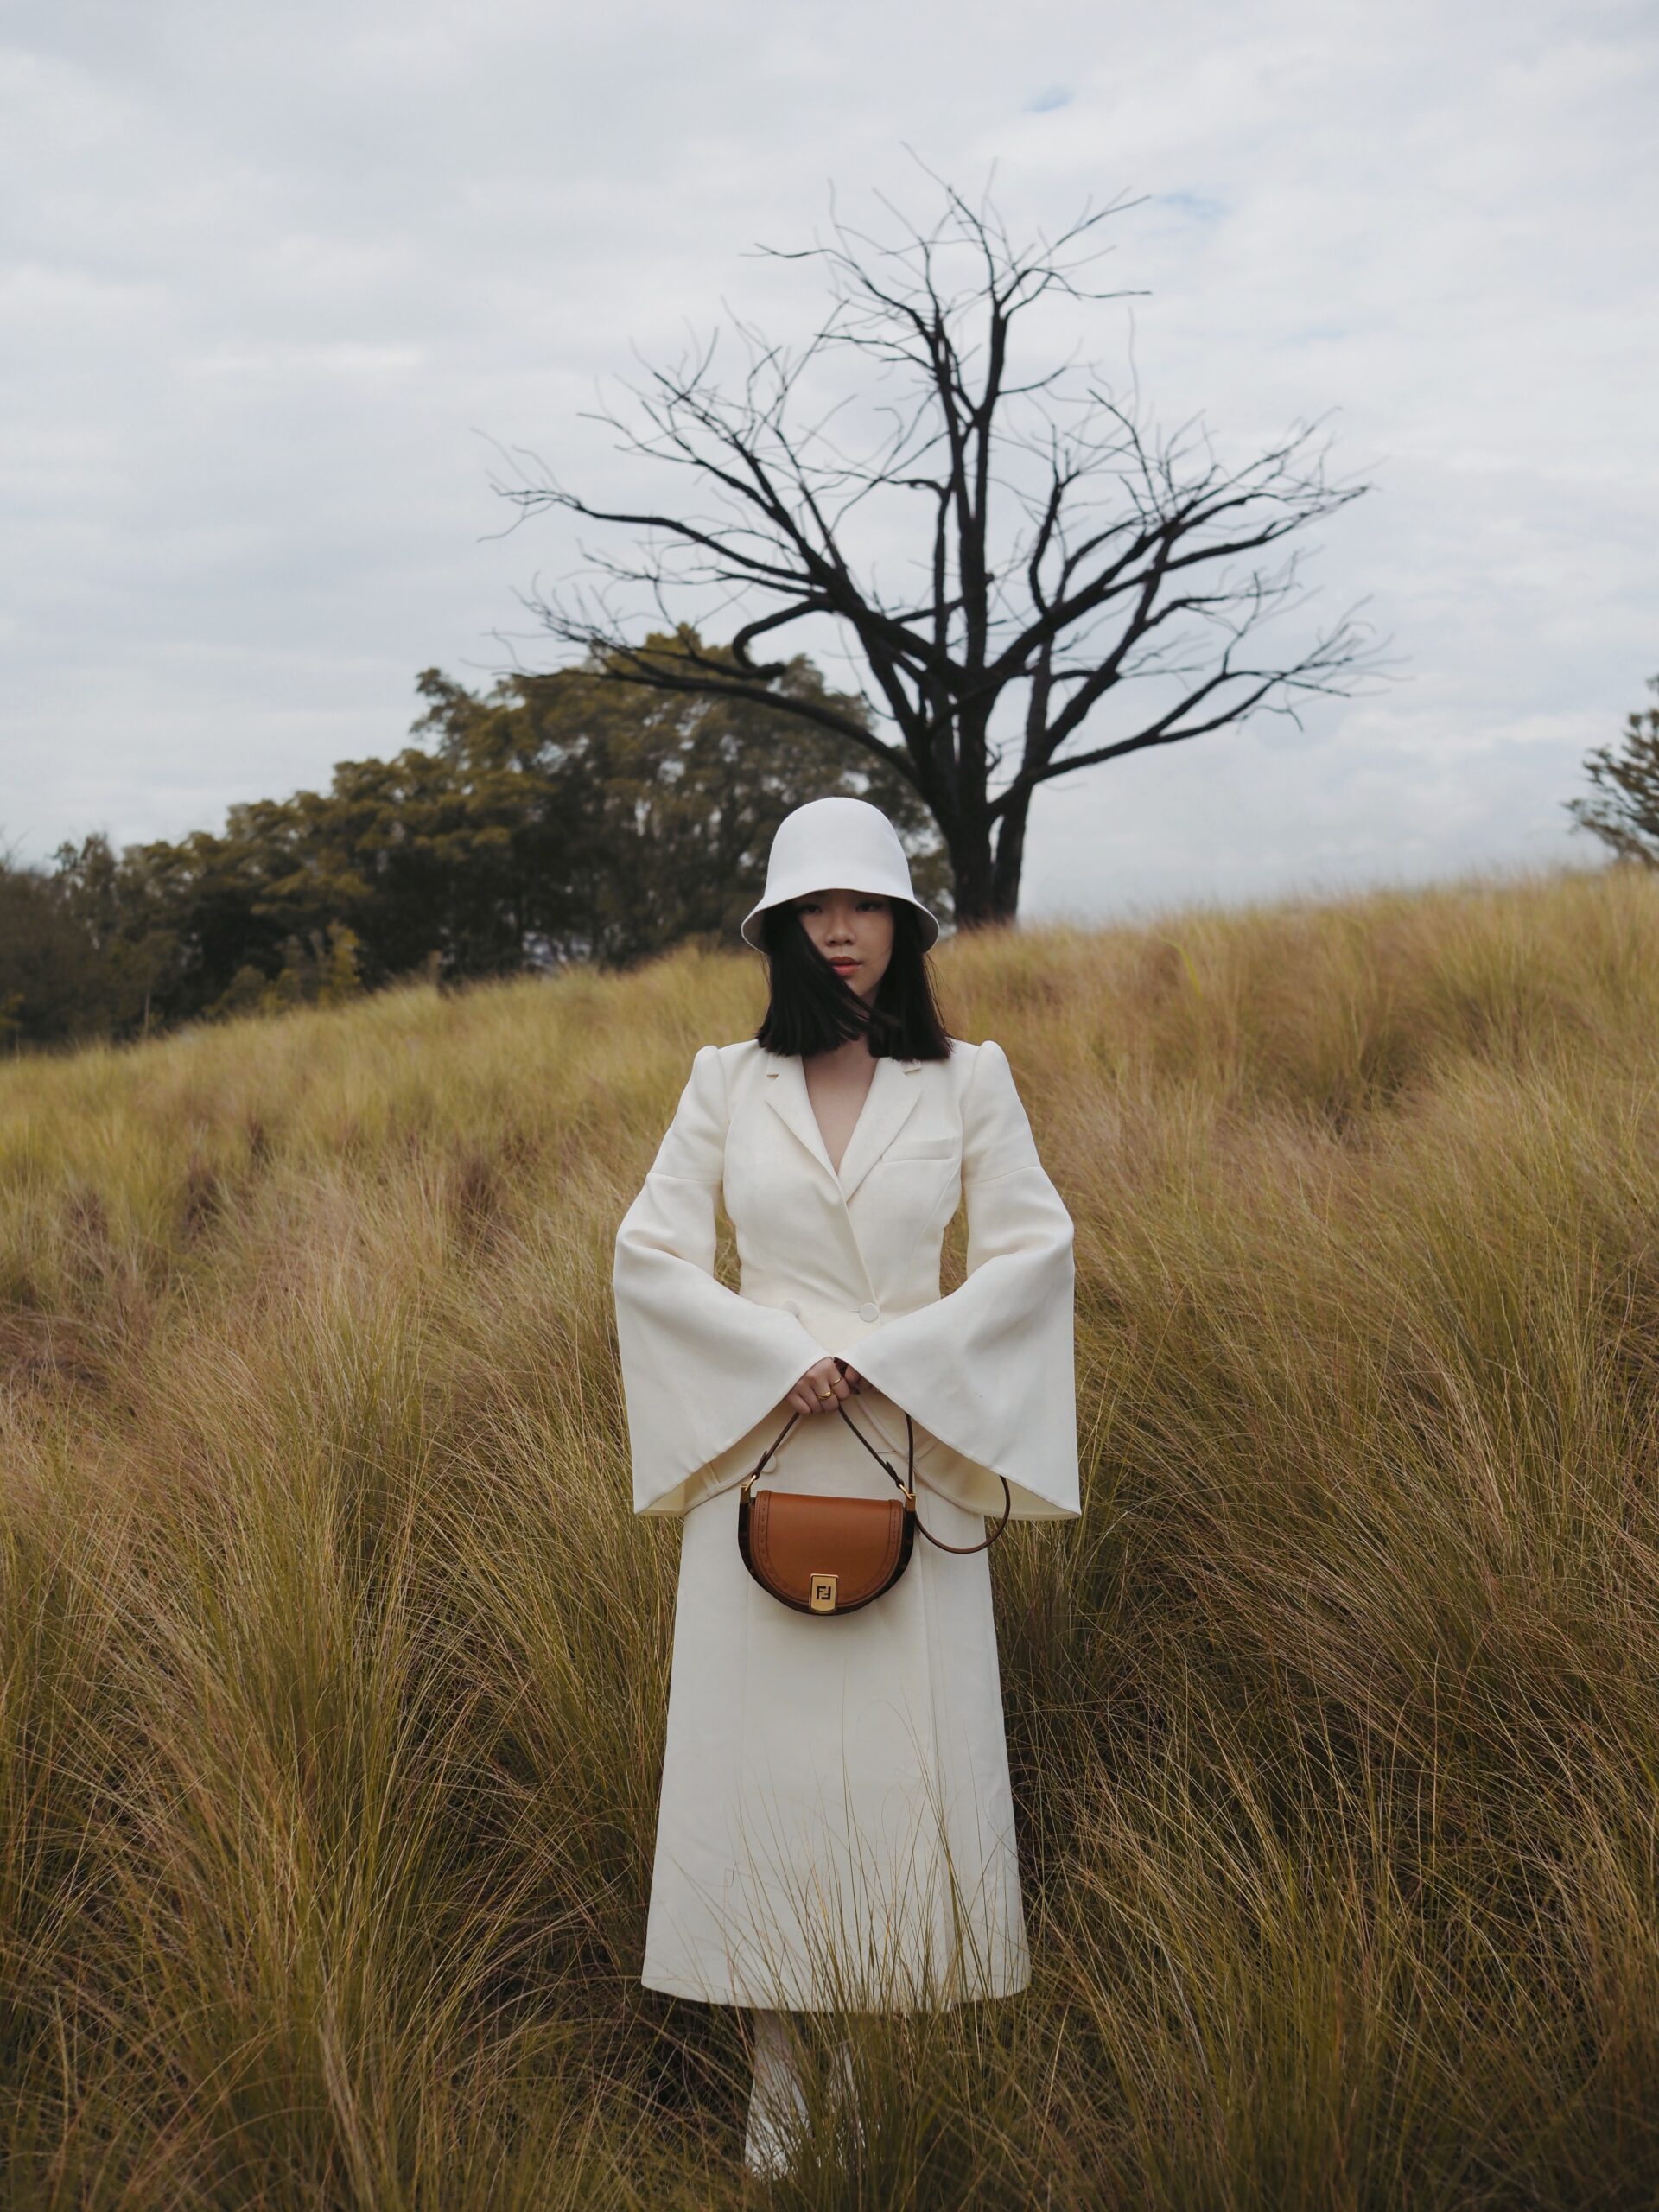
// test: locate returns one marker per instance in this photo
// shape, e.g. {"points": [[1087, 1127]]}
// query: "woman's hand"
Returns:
{"points": [[827, 1376]]}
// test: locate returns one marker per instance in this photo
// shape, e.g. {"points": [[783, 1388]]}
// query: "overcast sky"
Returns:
{"points": [[274, 279]]}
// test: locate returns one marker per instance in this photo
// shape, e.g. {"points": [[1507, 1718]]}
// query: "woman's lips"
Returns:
{"points": [[843, 963]]}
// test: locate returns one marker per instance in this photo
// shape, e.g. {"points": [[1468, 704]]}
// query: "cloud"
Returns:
{"points": [[270, 282]]}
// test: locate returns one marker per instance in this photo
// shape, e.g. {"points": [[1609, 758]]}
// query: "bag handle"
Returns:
{"points": [[907, 1488]]}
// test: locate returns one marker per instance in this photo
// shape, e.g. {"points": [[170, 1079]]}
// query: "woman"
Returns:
{"points": [[835, 1823]]}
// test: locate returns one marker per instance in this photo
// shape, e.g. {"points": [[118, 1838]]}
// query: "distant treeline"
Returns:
{"points": [[551, 818]]}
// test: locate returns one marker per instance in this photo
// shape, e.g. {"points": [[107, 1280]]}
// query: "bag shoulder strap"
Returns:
{"points": [[906, 1486]]}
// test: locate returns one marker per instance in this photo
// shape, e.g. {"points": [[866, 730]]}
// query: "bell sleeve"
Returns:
{"points": [[700, 1365], [988, 1368]]}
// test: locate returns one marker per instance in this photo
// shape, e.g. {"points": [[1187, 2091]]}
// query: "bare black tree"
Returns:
{"points": [[1068, 562]]}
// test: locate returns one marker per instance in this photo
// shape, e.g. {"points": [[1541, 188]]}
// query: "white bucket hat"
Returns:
{"points": [[836, 845]]}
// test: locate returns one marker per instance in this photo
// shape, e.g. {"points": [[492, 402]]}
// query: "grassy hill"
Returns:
{"points": [[333, 1662]]}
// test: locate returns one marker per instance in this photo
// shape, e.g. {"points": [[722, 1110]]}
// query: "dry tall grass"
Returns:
{"points": [[333, 1662]]}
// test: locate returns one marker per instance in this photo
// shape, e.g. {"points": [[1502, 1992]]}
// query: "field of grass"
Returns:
{"points": [[333, 1662]]}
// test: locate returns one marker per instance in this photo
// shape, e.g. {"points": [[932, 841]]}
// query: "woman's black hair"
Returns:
{"points": [[812, 1009]]}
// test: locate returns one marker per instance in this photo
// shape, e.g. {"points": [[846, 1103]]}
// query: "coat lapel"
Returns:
{"points": [[895, 1086], [785, 1091]]}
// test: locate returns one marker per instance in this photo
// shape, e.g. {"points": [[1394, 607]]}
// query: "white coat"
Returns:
{"points": [[835, 1823]]}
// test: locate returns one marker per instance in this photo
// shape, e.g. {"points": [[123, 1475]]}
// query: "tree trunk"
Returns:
{"points": [[1010, 860], [987, 887]]}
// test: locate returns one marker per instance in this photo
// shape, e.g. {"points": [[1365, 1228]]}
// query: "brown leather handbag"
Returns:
{"points": [[822, 1554]]}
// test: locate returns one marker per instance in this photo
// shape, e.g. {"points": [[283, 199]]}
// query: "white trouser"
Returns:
{"points": [[777, 2107]]}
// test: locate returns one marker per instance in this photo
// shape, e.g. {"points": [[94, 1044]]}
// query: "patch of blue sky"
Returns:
{"points": [[1196, 207], [1051, 97]]}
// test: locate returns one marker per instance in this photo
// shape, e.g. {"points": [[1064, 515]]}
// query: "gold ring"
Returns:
{"points": [[826, 1397]]}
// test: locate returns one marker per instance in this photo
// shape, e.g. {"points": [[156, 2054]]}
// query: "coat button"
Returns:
{"points": [[792, 1305], [868, 1312]]}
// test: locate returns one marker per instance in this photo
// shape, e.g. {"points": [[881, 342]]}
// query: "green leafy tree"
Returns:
{"points": [[1624, 811], [48, 969], [669, 802], [69, 966], [551, 818], [340, 979]]}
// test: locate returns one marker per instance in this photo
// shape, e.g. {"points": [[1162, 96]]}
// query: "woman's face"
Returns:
{"points": [[853, 932]]}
